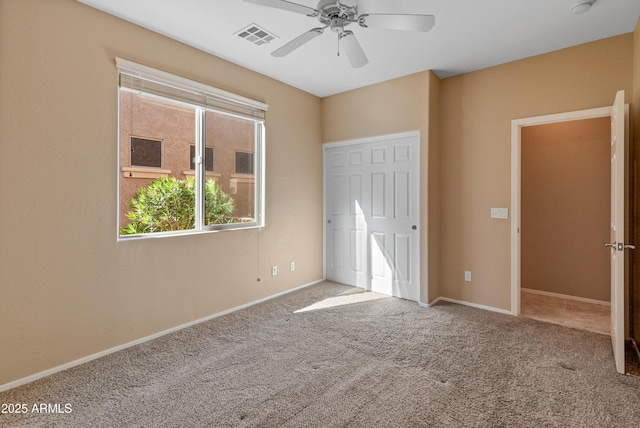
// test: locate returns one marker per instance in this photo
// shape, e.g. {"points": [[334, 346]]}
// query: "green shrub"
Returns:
{"points": [[169, 204]]}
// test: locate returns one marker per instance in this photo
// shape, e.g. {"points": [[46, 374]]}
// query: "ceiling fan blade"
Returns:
{"points": [[398, 22], [297, 42], [287, 5], [354, 51]]}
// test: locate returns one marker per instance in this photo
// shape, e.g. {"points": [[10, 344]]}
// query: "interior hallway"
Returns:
{"points": [[569, 313]]}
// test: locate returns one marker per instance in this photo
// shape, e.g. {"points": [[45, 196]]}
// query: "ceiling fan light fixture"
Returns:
{"points": [[581, 6], [352, 48]]}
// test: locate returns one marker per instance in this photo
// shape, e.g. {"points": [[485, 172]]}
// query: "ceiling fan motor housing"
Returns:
{"points": [[335, 15], [337, 24]]}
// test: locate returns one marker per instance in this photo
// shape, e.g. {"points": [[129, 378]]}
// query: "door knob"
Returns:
{"points": [[414, 227], [620, 246]]}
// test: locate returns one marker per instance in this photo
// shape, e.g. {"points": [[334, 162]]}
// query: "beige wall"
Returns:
{"points": [[565, 200], [394, 106], [475, 141], [432, 177], [68, 288]]}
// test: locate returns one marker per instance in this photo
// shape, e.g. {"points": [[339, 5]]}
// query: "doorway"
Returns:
{"points": [[516, 176], [616, 244], [372, 203], [565, 220]]}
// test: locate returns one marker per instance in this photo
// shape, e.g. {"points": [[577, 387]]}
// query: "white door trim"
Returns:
{"points": [[371, 139], [516, 144]]}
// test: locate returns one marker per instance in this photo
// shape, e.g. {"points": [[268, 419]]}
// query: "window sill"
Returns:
{"points": [[243, 178], [208, 174], [243, 225], [144, 172]]}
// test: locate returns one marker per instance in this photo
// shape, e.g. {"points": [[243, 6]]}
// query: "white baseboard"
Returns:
{"points": [[564, 296], [473, 305], [45, 373]]}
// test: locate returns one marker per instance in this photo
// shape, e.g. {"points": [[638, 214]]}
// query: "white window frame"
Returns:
{"points": [[143, 80]]}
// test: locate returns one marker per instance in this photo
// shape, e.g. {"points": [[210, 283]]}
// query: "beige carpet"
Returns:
{"points": [[332, 356]]}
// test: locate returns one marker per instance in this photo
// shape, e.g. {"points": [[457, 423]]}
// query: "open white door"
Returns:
{"points": [[617, 245]]}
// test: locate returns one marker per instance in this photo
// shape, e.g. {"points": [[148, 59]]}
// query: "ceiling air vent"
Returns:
{"points": [[256, 35]]}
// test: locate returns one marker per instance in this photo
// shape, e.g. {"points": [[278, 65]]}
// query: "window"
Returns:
{"points": [[146, 152], [167, 183], [244, 163]]}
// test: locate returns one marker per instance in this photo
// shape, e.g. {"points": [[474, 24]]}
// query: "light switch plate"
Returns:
{"points": [[502, 213]]}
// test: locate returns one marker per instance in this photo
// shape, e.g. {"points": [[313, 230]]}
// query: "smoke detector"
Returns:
{"points": [[581, 6]]}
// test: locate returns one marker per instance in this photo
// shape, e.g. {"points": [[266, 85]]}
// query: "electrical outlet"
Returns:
{"points": [[292, 266], [467, 275], [274, 270]]}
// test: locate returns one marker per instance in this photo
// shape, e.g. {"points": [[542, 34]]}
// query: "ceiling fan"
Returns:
{"points": [[336, 15]]}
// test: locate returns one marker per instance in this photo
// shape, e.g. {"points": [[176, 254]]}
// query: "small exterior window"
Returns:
{"points": [[145, 152], [208, 158], [244, 163]]}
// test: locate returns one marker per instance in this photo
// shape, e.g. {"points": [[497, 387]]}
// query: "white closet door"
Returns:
{"points": [[372, 213]]}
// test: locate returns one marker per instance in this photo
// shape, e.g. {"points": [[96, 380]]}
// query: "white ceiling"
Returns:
{"points": [[468, 35]]}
